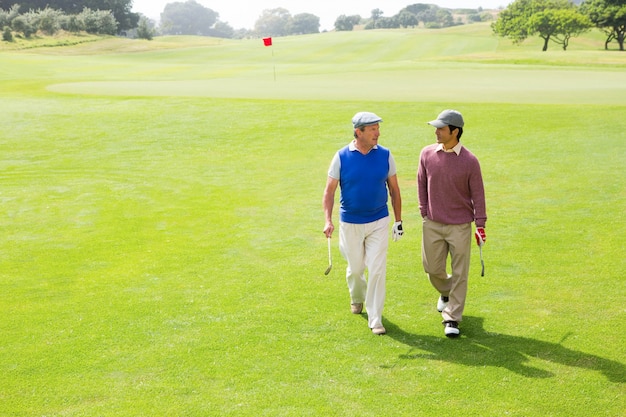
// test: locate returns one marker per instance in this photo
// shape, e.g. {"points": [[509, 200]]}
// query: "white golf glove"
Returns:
{"points": [[397, 231]]}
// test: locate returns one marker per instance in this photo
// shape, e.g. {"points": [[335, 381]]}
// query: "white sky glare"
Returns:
{"points": [[244, 13]]}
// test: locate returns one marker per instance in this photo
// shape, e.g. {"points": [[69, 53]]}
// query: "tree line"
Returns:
{"points": [[553, 20], [428, 15], [119, 9], [50, 21], [191, 18]]}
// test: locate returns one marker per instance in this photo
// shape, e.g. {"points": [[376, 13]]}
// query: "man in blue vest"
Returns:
{"points": [[365, 173]]}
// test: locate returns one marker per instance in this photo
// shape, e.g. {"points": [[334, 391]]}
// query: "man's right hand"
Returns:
{"points": [[329, 229], [480, 235]]}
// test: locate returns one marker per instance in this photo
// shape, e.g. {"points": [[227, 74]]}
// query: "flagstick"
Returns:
{"points": [[268, 42], [274, 64]]}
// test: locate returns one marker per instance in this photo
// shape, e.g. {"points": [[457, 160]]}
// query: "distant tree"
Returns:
{"points": [[242, 33], [7, 35], [303, 23], [609, 16], [431, 15], [120, 9], [474, 17], [222, 30], [48, 20], [384, 23], [428, 15], [188, 18], [7, 15], [376, 14], [486, 16], [273, 22], [479, 17], [346, 23], [101, 22], [4, 19], [407, 19], [555, 20], [73, 24], [444, 18], [23, 24], [417, 8], [145, 29]]}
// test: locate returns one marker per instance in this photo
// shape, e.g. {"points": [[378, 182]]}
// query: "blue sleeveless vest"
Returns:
{"points": [[363, 181]]}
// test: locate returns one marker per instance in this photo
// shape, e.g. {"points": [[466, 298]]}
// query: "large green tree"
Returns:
{"points": [[304, 23], [558, 25], [407, 19], [346, 23], [512, 22], [273, 22], [552, 20], [188, 18], [610, 17]]}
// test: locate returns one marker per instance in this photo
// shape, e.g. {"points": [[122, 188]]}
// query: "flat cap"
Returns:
{"points": [[365, 118]]}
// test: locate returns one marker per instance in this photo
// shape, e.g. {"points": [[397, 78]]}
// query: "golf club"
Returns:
{"points": [[482, 263], [330, 260]]}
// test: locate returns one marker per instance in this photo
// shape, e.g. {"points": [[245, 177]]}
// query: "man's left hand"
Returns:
{"points": [[397, 231]]}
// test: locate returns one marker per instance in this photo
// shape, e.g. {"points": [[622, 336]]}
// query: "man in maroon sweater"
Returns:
{"points": [[451, 197]]}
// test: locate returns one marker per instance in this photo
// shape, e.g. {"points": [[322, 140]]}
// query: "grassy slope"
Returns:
{"points": [[461, 64], [163, 256]]}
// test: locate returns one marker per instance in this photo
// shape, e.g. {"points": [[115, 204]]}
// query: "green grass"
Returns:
{"points": [[161, 249]]}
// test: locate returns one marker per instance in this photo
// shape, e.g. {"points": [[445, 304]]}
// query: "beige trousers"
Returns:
{"points": [[439, 240], [365, 246]]}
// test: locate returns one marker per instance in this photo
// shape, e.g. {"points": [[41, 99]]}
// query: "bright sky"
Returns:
{"points": [[244, 13]]}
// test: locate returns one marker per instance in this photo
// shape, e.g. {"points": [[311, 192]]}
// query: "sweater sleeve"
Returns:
{"points": [[422, 186], [477, 191]]}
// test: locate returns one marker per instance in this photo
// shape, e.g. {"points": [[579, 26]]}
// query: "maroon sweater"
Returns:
{"points": [[450, 187]]}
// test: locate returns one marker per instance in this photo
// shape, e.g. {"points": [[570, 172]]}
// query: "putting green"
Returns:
{"points": [[505, 85]]}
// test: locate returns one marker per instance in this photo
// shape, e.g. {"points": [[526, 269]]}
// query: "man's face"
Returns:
{"points": [[368, 138], [444, 135]]}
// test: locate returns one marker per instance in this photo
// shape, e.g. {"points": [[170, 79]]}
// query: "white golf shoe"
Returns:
{"points": [[451, 328], [442, 302]]}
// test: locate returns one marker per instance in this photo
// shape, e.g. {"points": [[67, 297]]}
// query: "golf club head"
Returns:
{"points": [[328, 270]]}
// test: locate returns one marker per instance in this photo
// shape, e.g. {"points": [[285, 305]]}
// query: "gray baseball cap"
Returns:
{"points": [[365, 118], [447, 118]]}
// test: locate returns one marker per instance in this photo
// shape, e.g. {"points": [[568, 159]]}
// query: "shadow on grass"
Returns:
{"points": [[477, 347]]}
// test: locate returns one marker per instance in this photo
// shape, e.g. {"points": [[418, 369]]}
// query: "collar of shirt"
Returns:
{"points": [[456, 149], [352, 146]]}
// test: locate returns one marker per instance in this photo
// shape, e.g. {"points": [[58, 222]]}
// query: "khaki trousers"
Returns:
{"points": [[439, 240], [365, 246]]}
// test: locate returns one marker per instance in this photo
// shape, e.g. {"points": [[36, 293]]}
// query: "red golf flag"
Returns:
{"points": [[267, 41]]}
